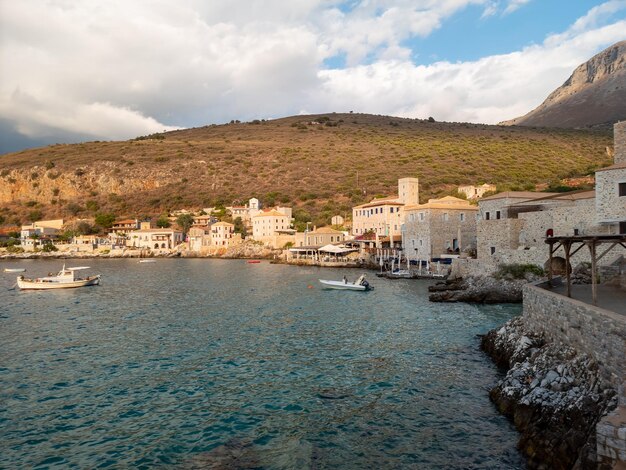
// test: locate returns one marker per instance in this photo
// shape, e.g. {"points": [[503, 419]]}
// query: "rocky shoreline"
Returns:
{"points": [[553, 394], [477, 289]]}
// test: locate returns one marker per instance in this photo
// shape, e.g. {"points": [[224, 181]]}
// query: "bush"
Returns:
{"points": [[518, 271]]}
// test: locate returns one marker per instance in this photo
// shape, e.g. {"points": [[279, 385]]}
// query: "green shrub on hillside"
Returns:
{"points": [[518, 271]]}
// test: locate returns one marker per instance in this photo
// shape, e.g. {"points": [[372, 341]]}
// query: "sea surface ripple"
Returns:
{"points": [[195, 363]]}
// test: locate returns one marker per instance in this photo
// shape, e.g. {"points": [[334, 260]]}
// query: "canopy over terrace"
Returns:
{"points": [[571, 246]]}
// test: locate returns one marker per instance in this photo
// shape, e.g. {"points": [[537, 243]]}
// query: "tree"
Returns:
{"points": [[105, 219], [240, 227], [185, 221], [163, 221]]}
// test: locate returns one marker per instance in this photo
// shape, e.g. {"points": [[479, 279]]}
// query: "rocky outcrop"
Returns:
{"points": [[553, 394], [592, 96], [478, 289]]}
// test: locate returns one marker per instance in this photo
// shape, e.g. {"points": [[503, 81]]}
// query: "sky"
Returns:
{"points": [[85, 70]]}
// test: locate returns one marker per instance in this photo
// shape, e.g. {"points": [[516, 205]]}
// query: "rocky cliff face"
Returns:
{"points": [[593, 96], [554, 395], [43, 186]]}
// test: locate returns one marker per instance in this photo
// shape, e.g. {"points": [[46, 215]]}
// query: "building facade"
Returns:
{"points": [[441, 226], [385, 216], [154, 238], [319, 237], [611, 186], [472, 192]]}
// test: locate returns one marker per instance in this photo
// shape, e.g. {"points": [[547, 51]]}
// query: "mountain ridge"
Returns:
{"points": [[593, 96]]}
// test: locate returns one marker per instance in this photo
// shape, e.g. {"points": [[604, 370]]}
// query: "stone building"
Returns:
{"points": [[446, 225], [611, 187], [476, 192], [385, 216]]}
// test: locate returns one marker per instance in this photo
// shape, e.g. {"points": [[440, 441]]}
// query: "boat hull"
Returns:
{"points": [[14, 270], [339, 285], [31, 284]]}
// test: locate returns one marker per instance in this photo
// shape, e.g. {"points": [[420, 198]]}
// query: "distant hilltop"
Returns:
{"points": [[593, 96]]}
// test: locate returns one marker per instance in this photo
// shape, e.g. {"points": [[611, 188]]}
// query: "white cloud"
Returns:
{"points": [[489, 90], [514, 5], [117, 69]]}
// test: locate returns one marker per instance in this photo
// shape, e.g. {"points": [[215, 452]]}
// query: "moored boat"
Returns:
{"points": [[360, 284], [14, 270], [65, 279]]}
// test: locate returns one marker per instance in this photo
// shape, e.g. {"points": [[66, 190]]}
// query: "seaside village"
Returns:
{"points": [[471, 235]]}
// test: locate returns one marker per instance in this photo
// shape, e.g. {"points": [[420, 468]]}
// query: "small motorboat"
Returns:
{"points": [[360, 284], [65, 279], [14, 270], [147, 261], [253, 261]]}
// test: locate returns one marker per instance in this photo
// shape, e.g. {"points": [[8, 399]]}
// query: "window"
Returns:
{"points": [[445, 216], [622, 228], [421, 216], [622, 189], [492, 250], [497, 214], [487, 215], [462, 217]]}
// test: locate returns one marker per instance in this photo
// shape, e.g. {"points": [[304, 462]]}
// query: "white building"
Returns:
{"points": [[385, 216]]}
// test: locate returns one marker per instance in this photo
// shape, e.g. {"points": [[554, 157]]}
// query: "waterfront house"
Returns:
{"points": [[519, 230], [154, 238], [385, 216], [123, 227], [223, 234], [34, 235], [199, 237], [439, 227], [273, 228], [319, 237]]}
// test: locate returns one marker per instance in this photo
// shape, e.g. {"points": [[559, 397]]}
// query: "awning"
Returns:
{"points": [[335, 249]]}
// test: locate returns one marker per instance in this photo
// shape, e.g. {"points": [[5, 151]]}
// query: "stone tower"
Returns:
{"points": [[408, 191]]}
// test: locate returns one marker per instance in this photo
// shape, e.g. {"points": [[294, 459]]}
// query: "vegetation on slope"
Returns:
{"points": [[321, 165]]}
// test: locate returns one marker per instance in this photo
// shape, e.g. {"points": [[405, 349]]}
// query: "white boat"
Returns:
{"points": [[65, 279], [147, 261], [360, 284], [14, 270]]}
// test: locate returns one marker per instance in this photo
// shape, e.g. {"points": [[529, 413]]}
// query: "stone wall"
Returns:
{"points": [[597, 332], [619, 139], [502, 234], [610, 207]]}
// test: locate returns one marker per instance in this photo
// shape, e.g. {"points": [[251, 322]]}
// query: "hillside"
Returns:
{"points": [[321, 165], [594, 95]]}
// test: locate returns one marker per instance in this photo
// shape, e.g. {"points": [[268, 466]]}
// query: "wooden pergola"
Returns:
{"points": [[572, 245]]}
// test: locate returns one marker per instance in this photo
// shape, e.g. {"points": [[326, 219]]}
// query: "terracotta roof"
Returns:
{"points": [[222, 224], [126, 221], [270, 213]]}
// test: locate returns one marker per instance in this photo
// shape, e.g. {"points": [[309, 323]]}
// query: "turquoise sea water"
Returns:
{"points": [[193, 363]]}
